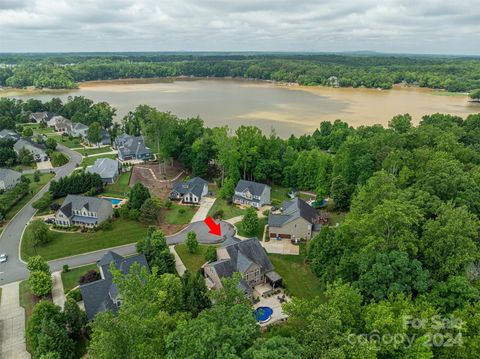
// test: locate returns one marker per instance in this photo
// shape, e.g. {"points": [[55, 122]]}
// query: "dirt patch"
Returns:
{"points": [[169, 229], [159, 183]]}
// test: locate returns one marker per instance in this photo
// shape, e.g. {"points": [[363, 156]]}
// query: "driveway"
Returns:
{"points": [[205, 204], [12, 324], [14, 269]]}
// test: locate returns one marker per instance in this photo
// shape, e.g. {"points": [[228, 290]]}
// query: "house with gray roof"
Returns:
{"points": [[38, 151], [38, 117], [102, 294], [60, 123], [77, 129], [7, 134], [83, 211], [190, 191], [250, 193], [246, 257], [9, 178], [132, 148], [107, 169], [296, 220]]}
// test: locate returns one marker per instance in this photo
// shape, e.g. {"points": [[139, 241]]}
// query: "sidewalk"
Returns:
{"points": [[12, 327], [179, 266], [205, 204], [58, 293]]}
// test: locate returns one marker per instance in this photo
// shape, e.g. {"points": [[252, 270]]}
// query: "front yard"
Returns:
{"points": [[64, 244], [259, 231], [229, 210], [66, 141], [89, 161], [179, 214], [70, 279], [94, 150], [192, 261], [300, 281]]}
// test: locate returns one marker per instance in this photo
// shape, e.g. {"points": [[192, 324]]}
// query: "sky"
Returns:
{"points": [[395, 26]]}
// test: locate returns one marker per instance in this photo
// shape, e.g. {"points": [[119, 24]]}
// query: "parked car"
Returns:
{"points": [[50, 220], [3, 258]]}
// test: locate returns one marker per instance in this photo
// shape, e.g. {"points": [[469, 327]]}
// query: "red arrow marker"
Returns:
{"points": [[214, 227]]}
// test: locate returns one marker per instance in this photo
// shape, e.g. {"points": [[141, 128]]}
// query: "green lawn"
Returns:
{"points": [[121, 186], [64, 140], [34, 188], [174, 215], [37, 129], [258, 233], [94, 150], [88, 161], [278, 195], [297, 276], [71, 278], [26, 299], [336, 217], [229, 210], [64, 244], [192, 261]]}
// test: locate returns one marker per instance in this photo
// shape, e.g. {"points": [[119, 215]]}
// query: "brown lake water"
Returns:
{"points": [[287, 109]]}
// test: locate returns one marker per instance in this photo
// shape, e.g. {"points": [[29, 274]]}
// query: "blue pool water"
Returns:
{"points": [[263, 314], [114, 201]]}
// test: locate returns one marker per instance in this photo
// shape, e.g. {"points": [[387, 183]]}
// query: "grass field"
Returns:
{"points": [[88, 161], [37, 129], [34, 188], [174, 215], [297, 276], [26, 299], [258, 233], [121, 186], [63, 140], [229, 211], [94, 151], [71, 278], [64, 244], [192, 261]]}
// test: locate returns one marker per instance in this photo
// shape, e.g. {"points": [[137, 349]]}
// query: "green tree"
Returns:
{"points": [[38, 264], [51, 143], [150, 210], [36, 176], [274, 347], [210, 254], [155, 248], [94, 133], [27, 132], [40, 283], [24, 156], [449, 242], [475, 95], [195, 293], [43, 311], [250, 221], [54, 338], [192, 243], [138, 195], [75, 319], [341, 193], [37, 233], [401, 123]]}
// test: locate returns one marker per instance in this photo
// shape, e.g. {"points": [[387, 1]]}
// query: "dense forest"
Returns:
{"points": [[67, 70], [402, 272]]}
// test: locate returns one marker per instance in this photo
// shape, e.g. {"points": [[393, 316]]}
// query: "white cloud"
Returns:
{"points": [[425, 26]]}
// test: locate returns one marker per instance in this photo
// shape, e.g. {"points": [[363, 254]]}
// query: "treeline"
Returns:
{"points": [[78, 182], [65, 71]]}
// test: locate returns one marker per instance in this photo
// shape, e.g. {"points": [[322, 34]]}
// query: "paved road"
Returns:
{"points": [[14, 269], [199, 227]]}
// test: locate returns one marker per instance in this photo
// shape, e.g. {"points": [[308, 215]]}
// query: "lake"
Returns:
{"points": [[287, 109]]}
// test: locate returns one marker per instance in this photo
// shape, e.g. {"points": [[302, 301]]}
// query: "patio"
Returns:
{"points": [[282, 246], [274, 303]]}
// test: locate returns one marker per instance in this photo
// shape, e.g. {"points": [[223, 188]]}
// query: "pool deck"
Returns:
{"points": [[121, 203], [272, 302]]}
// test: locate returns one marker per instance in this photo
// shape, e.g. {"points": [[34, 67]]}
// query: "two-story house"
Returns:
{"points": [[246, 257], [132, 148], [251, 194], [83, 211], [190, 191], [296, 220], [38, 151], [102, 294], [77, 129]]}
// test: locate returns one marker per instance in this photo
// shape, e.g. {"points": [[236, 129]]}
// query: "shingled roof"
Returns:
{"points": [[78, 202], [101, 295], [105, 167], [194, 185], [292, 210], [254, 188]]}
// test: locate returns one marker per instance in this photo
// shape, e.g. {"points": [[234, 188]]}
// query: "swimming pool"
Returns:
{"points": [[115, 201], [263, 314]]}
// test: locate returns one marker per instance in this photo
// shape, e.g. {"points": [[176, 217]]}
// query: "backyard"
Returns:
{"points": [[300, 281], [119, 188], [192, 261], [94, 150], [70, 279], [64, 244]]}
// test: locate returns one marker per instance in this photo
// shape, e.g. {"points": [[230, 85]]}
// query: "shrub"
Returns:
{"points": [[66, 268], [75, 294], [43, 202], [37, 264], [181, 210], [58, 159], [210, 254], [192, 242], [40, 283], [90, 276], [106, 225], [168, 204], [219, 214]]}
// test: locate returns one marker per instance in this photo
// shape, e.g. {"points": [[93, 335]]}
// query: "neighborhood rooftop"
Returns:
{"points": [[292, 210]]}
